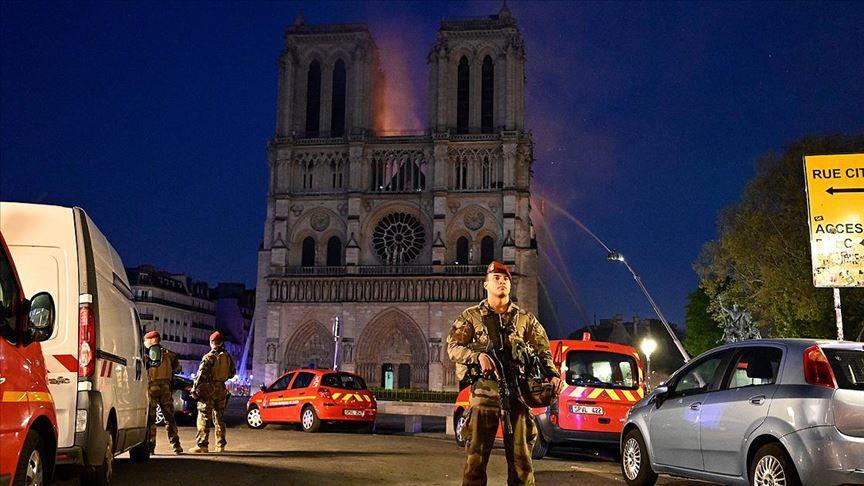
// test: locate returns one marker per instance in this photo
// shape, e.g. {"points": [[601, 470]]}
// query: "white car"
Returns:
{"points": [[94, 357]]}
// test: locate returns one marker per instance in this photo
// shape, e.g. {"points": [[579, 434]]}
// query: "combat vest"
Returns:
{"points": [[164, 371], [222, 367], [478, 325]]}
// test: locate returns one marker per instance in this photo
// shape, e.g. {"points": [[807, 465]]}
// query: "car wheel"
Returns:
{"points": [[309, 420], [253, 419], [772, 466], [635, 463], [541, 447], [101, 475], [459, 421], [31, 469], [160, 417]]}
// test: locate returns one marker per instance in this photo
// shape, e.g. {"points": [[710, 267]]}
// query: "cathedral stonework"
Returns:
{"points": [[390, 231]]}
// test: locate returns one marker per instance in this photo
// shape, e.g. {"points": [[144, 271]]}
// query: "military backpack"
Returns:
{"points": [[222, 367]]}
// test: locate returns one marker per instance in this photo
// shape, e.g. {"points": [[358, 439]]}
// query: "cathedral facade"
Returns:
{"points": [[390, 231]]}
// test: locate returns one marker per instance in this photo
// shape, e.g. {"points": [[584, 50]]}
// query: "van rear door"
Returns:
{"points": [[42, 242]]}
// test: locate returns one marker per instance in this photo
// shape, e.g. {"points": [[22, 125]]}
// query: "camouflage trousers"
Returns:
{"points": [[159, 393], [483, 420], [212, 408]]}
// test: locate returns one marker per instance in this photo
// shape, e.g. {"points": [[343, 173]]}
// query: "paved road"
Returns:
{"points": [[284, 455]]}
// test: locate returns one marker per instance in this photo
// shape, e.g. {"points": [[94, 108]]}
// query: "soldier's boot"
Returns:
{"points": [[175, 443], [198, 449]]}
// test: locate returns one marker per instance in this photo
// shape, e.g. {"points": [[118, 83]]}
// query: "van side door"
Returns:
{"points": [[15, 382]]}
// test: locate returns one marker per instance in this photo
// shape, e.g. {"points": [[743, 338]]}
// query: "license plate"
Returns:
{"points": [[586, 410], [354, 413]]}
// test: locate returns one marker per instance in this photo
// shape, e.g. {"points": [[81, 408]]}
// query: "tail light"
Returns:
{"points": [[817, 369], [86, 341], [325, 392]]}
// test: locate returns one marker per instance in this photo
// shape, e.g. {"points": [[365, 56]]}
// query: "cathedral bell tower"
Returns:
{"points": [[477, 76], [328, 78]]}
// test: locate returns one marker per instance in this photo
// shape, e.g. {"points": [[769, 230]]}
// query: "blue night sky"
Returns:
{"points": [[647, 118]]}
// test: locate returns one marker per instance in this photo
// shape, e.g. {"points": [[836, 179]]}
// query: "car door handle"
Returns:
{"points": [[138, 366], [757, 400], [695, 405]]}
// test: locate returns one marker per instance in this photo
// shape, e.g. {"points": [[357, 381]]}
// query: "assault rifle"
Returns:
{"points": [[506, 387]]}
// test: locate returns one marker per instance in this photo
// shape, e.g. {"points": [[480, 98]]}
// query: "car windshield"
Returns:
{"points": [[848, 366], [601, 369], [343, 380]]}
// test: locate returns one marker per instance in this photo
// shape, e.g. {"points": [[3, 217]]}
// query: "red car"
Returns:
{"points": [[28, 421], [603, 381], [310, 397]]}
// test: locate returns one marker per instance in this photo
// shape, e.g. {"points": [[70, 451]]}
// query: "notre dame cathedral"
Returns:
{"points": [[391, 231]]}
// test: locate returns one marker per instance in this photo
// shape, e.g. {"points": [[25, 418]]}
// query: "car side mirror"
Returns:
{"points": [[40, 325], [263, 387], [660, 394]]}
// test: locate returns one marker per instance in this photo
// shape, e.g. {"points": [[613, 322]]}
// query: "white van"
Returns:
{"points": [[94, 356]]}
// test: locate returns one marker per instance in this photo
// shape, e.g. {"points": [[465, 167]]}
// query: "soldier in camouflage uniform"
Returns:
{"points": [[162, 364], [209, 389], [473, 331]]}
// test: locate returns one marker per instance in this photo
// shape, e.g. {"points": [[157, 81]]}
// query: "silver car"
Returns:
{"points": [[767, 411]]}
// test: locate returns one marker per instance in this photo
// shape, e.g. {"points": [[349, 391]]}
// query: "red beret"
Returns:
{"points": [[496, 267], [153, 335], [217, 337]]}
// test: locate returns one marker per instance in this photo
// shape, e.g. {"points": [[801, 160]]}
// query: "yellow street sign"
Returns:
{"points": [[835, 210]]}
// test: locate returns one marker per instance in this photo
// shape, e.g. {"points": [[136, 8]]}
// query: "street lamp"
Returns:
{"points": [[616, 256], [336, 337], [648, 346]]}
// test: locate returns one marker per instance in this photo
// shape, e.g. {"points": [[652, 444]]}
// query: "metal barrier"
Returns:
{"points": [[412, 395]]}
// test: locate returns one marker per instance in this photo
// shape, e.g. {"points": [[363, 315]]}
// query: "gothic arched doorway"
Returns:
{"points": [[310, 345], [393, 338]]}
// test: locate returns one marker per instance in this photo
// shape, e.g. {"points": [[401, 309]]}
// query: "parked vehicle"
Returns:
{"points": [[312, 397], [185, 407], [603, 381], [768, 411], [94, 357], [28, 424]]}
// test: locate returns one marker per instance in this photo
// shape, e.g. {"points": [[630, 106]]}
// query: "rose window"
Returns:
{"points": [[398, 238]]}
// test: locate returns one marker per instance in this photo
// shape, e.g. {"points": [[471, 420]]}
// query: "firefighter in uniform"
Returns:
{"points": [[497, 322], [209, 389], [162, 364]]}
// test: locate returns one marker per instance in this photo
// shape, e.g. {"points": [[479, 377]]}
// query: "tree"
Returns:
{"points": [[703, 332], [761, 260]]}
